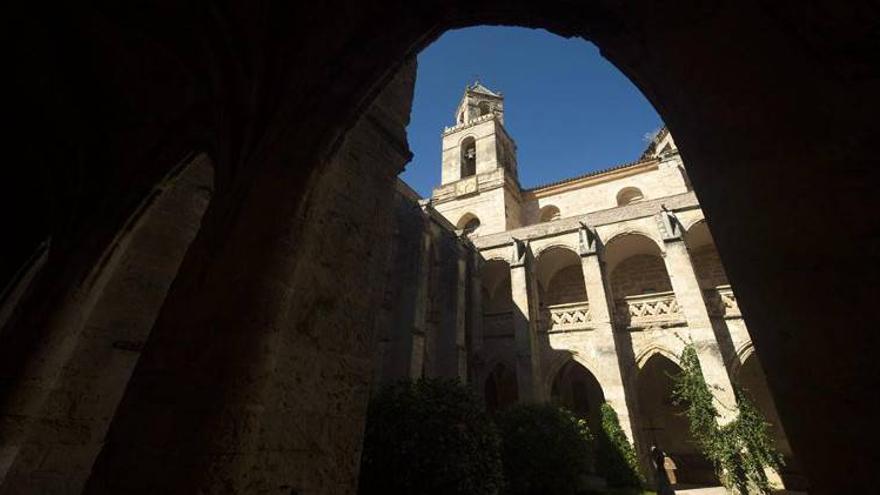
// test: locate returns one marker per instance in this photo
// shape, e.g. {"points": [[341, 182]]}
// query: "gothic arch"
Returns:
{"points": [[654, 350], [559, 359], [575, 387]]}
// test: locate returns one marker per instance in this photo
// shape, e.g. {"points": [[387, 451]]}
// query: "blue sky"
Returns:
{"points": [[569, 110]]}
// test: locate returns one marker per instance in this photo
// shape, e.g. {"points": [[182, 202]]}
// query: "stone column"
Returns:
{"points": [[524, 322], [416, 349], [690, 299], [601, 314], [461, 313], [475, 307]]}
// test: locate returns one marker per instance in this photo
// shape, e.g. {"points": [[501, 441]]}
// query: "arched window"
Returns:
{"points": [[468, 157], [469, 224], [484, 108], [629, 195], [549, 213]]}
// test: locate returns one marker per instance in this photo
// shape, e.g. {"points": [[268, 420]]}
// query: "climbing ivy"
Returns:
{"points": [[616, 459], [740, 450]]}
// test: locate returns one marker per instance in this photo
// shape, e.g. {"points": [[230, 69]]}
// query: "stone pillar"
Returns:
{"points": [[690, 299], [461, 313], [601, 314], [524, 322], [416, 349], [475, 307]]}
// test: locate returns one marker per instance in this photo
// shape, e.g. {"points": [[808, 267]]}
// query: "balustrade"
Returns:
{"points": [[649, 310], [566, 317], [721, 302]]}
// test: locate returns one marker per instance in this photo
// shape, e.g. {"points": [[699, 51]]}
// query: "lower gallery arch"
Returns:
{"points": [[577, 389], [663, 423], [501, 388], [750, 378]]}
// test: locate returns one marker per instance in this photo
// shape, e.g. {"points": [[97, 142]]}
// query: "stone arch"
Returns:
{"points": [[636, 266], [743, 352], [485, 108], [692, 222], [629, 195], [468, 157], [560, 276], [704, 255], [122, 300], [576, 388], [622, 231], [549, 213], [555, 245], [663, 423], [655, 350], [751, 380], [495, 278], [469, 223]]}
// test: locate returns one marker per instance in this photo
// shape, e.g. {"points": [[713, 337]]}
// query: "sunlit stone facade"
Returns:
{"points": [[577, 292]]}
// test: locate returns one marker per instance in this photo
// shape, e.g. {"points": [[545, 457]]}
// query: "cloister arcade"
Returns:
{"points": [[661, 290]]}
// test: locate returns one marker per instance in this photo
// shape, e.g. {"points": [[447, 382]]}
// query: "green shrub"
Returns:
{"points": [[546, 450], [616, 459], [429, 437]]}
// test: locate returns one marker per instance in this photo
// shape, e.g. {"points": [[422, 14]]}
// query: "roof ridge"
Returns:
{"points": [[593, 173]]}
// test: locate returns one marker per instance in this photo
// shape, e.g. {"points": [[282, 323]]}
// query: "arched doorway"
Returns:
{"points": [[577, 390], [663, 423], [501, 389], [750, 378]]}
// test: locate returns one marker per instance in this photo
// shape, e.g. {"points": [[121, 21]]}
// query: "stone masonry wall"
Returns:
{"points": [[640, 274]]}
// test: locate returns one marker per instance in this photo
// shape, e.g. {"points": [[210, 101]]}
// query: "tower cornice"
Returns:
{"points": [[460, 127]]}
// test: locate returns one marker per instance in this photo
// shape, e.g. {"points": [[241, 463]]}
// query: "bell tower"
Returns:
{"points": [[478, 142], [479, 157]]}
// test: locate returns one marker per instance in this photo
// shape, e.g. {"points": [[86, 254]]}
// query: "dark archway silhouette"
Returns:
{"points": [[108, 99], [577, 390]]}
